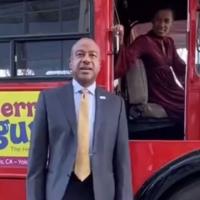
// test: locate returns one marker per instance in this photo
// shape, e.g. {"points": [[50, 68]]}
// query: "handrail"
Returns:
{"points": [[12, 175]]}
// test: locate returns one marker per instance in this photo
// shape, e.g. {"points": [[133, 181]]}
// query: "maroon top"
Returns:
{"points": [[157, 54]]}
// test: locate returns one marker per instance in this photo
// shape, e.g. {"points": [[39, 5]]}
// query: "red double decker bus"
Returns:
{"points": [[35, 42]]}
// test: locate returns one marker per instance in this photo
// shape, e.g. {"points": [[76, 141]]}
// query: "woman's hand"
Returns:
{"points": [[119, 31]]}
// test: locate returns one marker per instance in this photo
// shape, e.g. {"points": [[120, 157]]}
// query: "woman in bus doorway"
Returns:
{"points": [[164, 68]]}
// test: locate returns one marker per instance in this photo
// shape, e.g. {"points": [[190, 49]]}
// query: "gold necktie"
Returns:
{"points": [[82, 164]]}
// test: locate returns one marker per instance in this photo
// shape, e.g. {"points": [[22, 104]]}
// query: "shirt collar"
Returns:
{"points": [[77, 87]]}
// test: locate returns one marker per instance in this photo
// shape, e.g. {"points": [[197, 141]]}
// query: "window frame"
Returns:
{"points": [[197, 46], [13, 39]]}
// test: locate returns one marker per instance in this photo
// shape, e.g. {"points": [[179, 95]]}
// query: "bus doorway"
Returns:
{"points": [[150, 101]]}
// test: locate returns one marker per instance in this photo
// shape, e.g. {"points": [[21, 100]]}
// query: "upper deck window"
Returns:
{"points": [[43, 17], [36, 36]]}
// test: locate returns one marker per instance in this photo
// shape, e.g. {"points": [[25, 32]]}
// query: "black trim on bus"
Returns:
{"points": [[30, 79], [32, 37], [170, 177]]}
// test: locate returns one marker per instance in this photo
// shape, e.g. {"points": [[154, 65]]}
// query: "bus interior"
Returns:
{"points": [[147, 120]]}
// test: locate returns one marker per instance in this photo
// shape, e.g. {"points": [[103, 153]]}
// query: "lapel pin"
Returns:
{"points": [[102, 97]]}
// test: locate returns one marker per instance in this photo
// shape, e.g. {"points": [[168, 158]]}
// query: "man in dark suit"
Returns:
{"points": [[79, 142]]}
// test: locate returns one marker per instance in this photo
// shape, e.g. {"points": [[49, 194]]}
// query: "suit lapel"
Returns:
{"points": [[67, 100], [99, 113]]}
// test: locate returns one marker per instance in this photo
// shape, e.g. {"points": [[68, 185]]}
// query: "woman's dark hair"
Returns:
{"points": [[163, 8]]}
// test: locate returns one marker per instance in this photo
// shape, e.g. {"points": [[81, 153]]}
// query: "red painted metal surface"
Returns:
{"points": [[13, 184], [148, 157], [26, 86], [193, 80], [103, 20], [12, 187]]}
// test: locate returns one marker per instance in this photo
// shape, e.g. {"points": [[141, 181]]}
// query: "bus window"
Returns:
{"points": [[183, 53], [53, 61], [31, 17], [11, 24], [198, 45], [4, 59], [36, 39]]}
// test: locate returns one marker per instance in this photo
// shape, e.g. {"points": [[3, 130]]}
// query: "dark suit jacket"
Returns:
{"points": [[54, 143]]}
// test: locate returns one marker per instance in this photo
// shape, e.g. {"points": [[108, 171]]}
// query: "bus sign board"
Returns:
{"points": [[16, 116]]}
